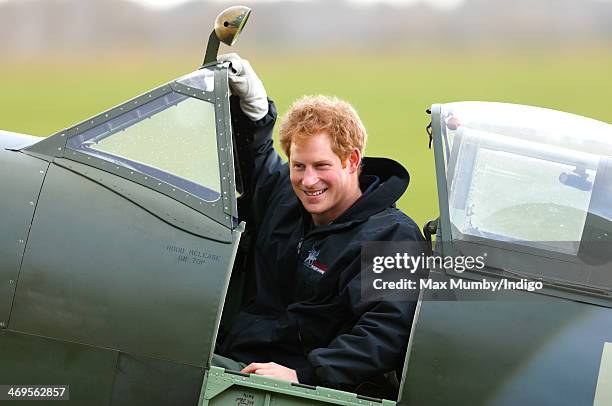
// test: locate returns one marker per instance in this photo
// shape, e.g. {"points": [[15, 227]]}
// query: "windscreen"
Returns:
{"points": [[525, 174], [172, 138]]}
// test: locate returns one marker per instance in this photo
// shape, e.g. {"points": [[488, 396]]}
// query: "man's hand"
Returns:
{"points": [[245, 84], [272, 370]]}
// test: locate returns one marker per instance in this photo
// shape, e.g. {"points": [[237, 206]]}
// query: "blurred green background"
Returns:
{"points": [[63, 61], [390, 91]]}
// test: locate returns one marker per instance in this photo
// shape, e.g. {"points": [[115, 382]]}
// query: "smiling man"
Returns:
{"points": [[324, 176], [307, 321]]}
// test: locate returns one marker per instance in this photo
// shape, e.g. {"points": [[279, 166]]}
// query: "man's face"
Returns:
{"points": [[325, 185]]}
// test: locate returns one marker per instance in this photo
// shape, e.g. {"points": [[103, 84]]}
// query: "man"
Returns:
{"points": [[307, 322]]}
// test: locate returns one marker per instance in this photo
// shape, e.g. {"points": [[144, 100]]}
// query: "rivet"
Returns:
{"points": [[2, 324], [41, 171], [59, 149], [31, 203], [11, 281], [21, 241]]}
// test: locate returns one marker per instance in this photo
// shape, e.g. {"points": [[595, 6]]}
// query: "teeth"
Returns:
{"points": [[314, 193]]}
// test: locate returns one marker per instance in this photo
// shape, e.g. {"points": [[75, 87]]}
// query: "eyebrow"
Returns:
{"points": [[324, 161]]}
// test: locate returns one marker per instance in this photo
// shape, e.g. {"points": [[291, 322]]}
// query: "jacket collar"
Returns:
{"points": [[393, 182]]}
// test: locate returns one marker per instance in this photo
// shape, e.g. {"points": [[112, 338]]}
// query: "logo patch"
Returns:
{"points": [[313, 263]]}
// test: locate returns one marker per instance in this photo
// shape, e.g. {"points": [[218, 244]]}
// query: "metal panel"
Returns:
{"points": [[100, 270], [18, 195], [149, 382], [31, 360], [603, 393], [156, 203], [444, 225], [96, 376], [224, 135], [508, 349]]}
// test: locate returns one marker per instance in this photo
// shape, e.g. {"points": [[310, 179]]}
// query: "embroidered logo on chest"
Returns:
{"points": [[312, 262]]}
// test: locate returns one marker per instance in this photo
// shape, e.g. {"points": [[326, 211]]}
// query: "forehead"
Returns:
{"points": [[316, 147]]}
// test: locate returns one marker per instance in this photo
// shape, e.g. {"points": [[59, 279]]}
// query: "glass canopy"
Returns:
{"points": [[526, 174]]}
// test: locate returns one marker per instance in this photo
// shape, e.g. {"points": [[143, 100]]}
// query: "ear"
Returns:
{"points": [[354, 161]]}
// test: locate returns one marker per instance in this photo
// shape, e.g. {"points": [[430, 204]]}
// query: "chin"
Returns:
{"points": [[313, 209]]}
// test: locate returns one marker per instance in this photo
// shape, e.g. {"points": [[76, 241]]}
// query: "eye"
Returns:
{"points": [[298, 166]]}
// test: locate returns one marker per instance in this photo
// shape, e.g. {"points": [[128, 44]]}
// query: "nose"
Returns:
{"points": [[310, 177]]}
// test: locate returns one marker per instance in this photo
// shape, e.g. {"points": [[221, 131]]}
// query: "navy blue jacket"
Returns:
{"points": [[307, 313]]}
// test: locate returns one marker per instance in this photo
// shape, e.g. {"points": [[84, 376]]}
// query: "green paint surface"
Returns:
{"points": [[603, 393]]}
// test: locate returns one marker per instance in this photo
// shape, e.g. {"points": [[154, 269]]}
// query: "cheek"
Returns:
{"points": [[295, 178], [329, 178]]}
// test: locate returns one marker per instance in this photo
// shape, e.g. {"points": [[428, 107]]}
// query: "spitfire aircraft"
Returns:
{"points": [[119, 262]]}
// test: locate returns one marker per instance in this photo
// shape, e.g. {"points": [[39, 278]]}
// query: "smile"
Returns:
{"points": [[315, 193]]}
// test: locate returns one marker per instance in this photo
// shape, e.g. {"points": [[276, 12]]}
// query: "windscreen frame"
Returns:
{"points": [[223, 210]]}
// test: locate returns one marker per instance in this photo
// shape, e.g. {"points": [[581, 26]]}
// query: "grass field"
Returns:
{"points": [[390, 92]]}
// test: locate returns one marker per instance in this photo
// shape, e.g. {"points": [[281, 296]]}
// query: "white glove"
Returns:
{"points": [[245, 84]]}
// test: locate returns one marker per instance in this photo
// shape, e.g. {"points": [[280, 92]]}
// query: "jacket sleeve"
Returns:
{"points": [[374, 345], [261, 167]]}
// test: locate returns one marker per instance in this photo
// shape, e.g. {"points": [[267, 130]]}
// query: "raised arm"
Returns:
{"points": [[253, 119]]}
